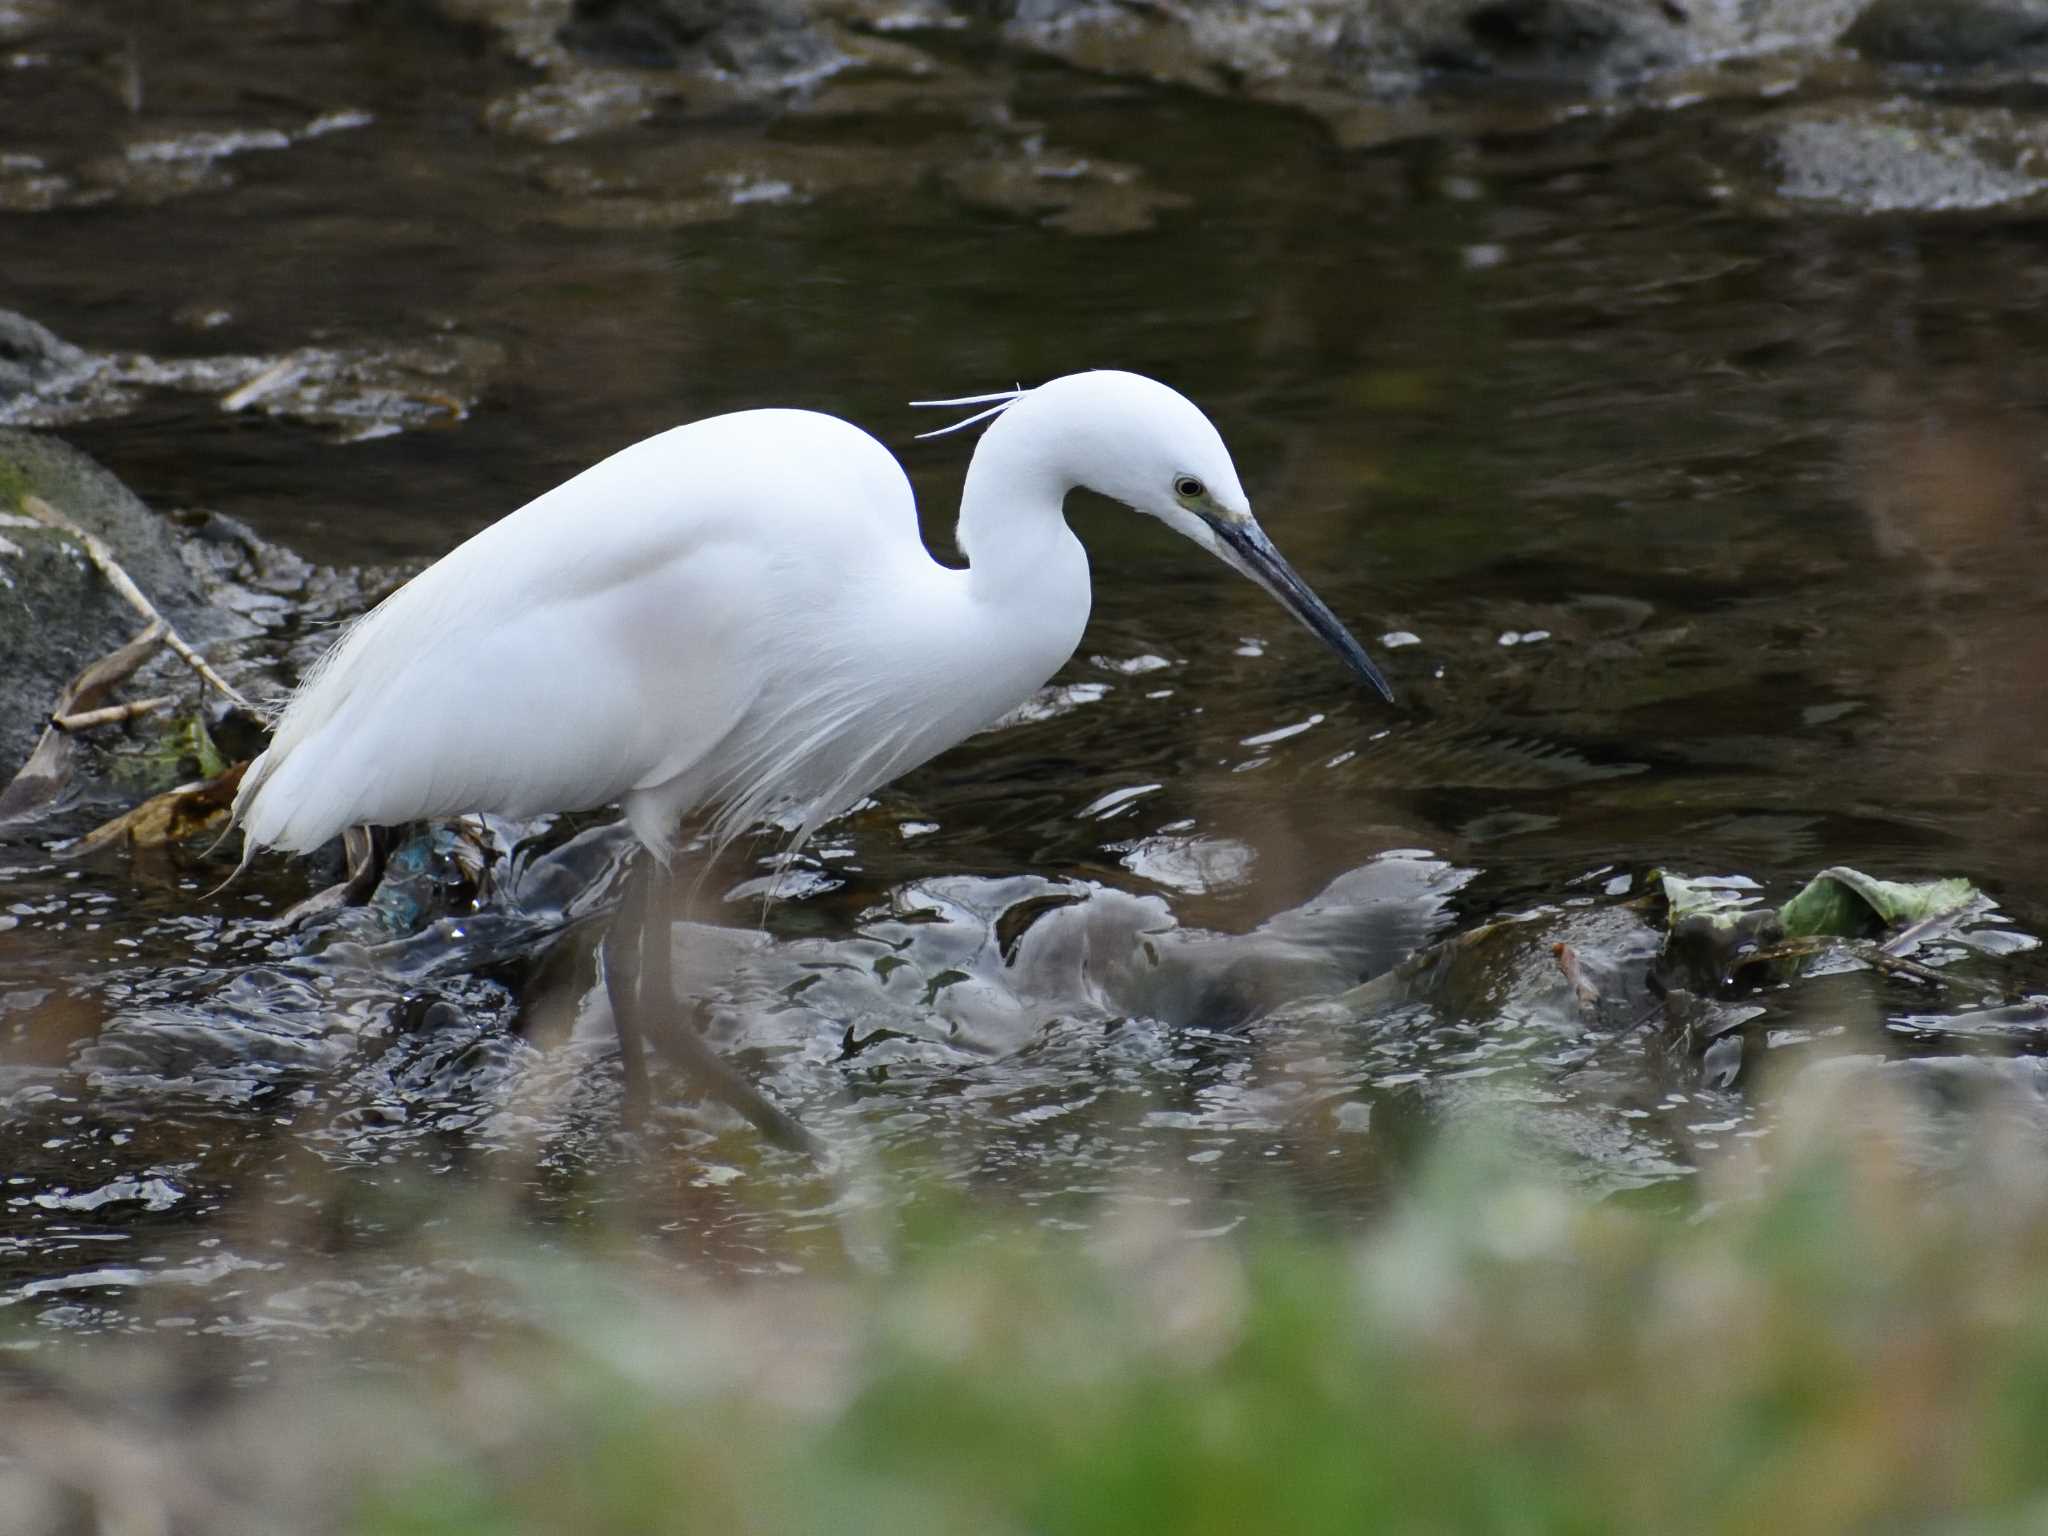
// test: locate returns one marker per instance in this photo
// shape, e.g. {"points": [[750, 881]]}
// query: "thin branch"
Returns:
{"points": [[278, 375], [1871, 954], [112, 714]]}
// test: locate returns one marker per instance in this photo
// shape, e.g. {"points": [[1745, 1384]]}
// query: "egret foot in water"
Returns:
{"points": [[366, 850], [639, 982]]}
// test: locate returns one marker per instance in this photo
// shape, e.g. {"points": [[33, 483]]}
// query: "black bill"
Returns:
{"points": [[1245, 545]]}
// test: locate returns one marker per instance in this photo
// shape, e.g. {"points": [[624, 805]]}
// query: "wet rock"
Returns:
{"points": [[1373, 69], [702, 179], [34, 360], [58, 613], [577, 104], [28, 185], [365, 390], [1081, 196], [606, 65], [1951, 31], [765, 40], [1386, 48], [1540, 38], [361, 392], [1904, 157], [169, 164]]}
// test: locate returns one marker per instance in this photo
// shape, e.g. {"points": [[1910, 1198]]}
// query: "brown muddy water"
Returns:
{"points": [[1702, 530]]}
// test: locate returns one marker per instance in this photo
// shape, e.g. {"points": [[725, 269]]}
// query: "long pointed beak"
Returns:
{"points": [[1244, 545]]}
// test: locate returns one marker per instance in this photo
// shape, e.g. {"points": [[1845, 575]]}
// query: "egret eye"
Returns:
{"points": [[1187, 488]]}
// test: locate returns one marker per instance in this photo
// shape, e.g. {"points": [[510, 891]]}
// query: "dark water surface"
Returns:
{"points": [[1706, 535]]}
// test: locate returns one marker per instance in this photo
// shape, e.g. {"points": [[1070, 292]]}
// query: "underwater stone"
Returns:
{"points": [[1951, 31]]}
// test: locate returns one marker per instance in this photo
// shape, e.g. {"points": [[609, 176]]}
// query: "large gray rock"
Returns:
{"points": [[57, 613]]}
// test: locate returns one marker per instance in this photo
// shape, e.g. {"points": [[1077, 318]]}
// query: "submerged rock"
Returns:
{"points": [[172, 162], [360, 391], [1586, 40], [1951, 31], [756, 39], [35, 360]]}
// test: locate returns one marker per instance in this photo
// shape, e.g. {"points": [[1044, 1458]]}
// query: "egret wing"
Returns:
{"points": [[601, 639]]}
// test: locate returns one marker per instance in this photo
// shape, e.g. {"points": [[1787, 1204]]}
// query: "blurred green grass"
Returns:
{"points": [[1843, 1333], [1845, 1342]]}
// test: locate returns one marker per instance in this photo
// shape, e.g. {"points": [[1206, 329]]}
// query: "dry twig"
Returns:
{"points": [[48, 769], [279, 375], [112, 714]]}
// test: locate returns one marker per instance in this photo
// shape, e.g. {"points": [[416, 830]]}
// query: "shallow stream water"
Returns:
{"points": [[1697, 531]]}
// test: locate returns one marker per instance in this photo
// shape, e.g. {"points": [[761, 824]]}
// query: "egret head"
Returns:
{"points": [[1150, 447]]}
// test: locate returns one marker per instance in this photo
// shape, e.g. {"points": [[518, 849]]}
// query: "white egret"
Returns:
{"points": [[738, 617]]}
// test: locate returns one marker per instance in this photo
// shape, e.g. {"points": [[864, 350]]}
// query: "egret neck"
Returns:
{"points": [[1026, 570]]}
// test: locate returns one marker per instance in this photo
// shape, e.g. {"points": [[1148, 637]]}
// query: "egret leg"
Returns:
{"points": [[626, 945], [367, 849], [643, 1001]]}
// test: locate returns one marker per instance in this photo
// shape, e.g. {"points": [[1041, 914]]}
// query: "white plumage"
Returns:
{"points": [[739, 616]]}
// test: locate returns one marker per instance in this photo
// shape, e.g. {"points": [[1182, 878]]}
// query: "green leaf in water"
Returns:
{"points": [[1714, 900], [198, 740], [1846, 903], [14, 484], [182, 751]]}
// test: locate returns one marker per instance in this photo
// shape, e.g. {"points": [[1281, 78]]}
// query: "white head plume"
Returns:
{"points": [[1003, 399]]}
